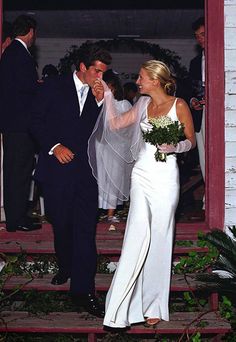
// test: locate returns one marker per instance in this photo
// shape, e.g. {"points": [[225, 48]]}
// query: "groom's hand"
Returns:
{"points": [[98, 90], [63, 154]]}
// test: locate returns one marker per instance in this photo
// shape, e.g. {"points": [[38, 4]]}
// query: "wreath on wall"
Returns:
{"points": [[128, 45]]}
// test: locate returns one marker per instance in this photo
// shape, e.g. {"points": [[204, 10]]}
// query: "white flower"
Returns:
{"points": [[164, 131], [161, 121], [112, 266], [2, 265]]}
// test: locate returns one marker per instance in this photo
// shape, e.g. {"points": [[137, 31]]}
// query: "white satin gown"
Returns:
{"points": [[141, 283]]}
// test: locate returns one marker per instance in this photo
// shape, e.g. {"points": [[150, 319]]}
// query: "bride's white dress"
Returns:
{"points": [[140, 286]]}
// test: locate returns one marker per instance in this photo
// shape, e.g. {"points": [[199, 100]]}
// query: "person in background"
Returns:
{"points": [[6, 40], [49, 70], [140, 287], [197, 102], [18, 84], [131, 92], [64, 114], [6, 35], [105, 201]]}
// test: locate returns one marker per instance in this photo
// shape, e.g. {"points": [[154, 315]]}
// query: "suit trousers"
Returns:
{"points": [[72, 209], [18, 163]]}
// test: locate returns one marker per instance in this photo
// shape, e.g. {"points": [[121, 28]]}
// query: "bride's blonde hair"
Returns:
{"points": [[159, 70]]}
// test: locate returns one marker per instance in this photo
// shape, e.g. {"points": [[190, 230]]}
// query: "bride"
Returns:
{"points": [[140, 287]]}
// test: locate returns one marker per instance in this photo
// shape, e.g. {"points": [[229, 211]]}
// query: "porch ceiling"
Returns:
{"points": [[151, 19]]}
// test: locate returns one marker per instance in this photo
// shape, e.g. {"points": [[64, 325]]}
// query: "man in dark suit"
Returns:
{"points": [[18, 82], [63, 119], [197, 74], [6, 35], [197, 102]]}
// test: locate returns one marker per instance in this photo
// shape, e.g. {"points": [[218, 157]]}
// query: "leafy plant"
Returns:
{"points": [[196, 261], [102, 263], [193, 302], [196, 337], [184, 243], [118, 337], [226, 261], [13, 337], [226, 308], [37, 302]]}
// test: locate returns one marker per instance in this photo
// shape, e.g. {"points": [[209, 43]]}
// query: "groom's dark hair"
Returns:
{"points": [[88, 53]]}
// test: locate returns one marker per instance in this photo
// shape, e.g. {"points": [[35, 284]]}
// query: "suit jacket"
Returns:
{"points": [[195, 73], [18, 83], [56, 119]]}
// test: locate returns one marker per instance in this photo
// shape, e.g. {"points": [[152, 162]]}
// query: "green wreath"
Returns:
{"points": [[165, 55]]}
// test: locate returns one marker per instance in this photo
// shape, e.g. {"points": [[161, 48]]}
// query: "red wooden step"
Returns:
{"points": [[37, 245], [178, 283], [113, 247], [184, 231], [41, 241], [192, 182], [83, 323]]}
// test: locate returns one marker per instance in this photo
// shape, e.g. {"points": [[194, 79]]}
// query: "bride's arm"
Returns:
{"points": [[114, 119], [184, 115]]}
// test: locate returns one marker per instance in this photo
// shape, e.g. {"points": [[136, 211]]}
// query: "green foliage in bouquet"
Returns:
{"points": [[163, 131]]}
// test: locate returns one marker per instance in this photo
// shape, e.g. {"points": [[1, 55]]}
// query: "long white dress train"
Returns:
{"points": [[141, 283]]}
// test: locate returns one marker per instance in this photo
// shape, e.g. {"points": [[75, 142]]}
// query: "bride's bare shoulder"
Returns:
{"points": [[181, 103]]}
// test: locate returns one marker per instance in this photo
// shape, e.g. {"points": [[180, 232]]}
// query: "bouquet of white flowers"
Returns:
{"points": [[163, 131]]}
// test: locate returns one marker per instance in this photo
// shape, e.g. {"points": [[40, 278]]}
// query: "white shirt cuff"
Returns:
{"points": [[99, 103], [51, 151]]}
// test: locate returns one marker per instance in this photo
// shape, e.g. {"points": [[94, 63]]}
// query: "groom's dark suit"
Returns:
{"points": [[18, 83], [195, 73], [70, 190]]}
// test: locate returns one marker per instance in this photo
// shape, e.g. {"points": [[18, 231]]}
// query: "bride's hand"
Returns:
{"points": [[106, 88], [165, 148], [182, 146]]}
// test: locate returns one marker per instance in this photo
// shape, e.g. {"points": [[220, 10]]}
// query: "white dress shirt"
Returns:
{"points": [[203, 68], [23, 43], [82, 92]]}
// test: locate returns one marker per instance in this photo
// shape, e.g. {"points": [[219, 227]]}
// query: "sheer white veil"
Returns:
{"points": [[114, 145]]}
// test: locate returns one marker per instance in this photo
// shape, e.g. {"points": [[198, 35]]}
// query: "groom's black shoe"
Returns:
{"points": [[59, 279], [90, 304], [27, 225]]}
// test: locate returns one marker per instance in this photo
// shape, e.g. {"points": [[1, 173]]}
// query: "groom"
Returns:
{"points": [[63, 119]]}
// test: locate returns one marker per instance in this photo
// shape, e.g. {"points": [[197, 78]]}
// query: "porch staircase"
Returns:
{"points": [[181, 326]]}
